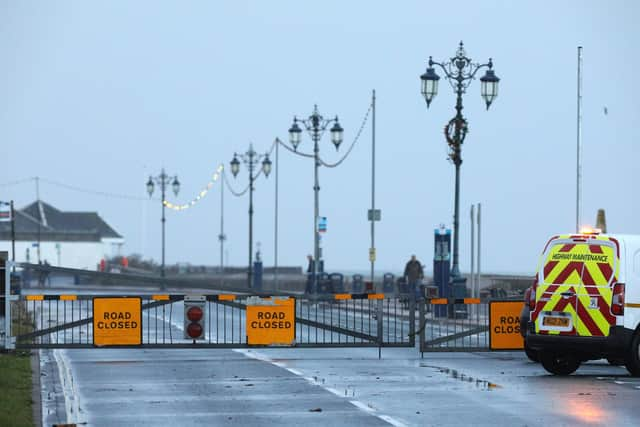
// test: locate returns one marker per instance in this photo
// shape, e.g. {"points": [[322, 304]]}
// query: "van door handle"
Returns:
{"points": [[568, 294]]}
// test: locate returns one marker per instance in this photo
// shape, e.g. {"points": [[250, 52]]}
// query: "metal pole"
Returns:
{"points": [[13, 237], [249, 275], [275, 264], [373, 182], [457, 159], [472, 276], [479, 251], [7, 307], [579, 143], [163, 178], [222, 236], [316, 189], [39, 214]]}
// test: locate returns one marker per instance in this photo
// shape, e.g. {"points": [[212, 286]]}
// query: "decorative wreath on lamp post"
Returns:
{"points": [[455, 126]]}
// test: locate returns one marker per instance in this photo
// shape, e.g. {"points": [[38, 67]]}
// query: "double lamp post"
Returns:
{"points": [[251, 160], [460, 71], [163, 180], [316, 125]]}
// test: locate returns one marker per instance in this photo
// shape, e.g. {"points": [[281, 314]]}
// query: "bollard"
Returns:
{"points": [[337, 283], [368, 287], [388, 286], [357, 284]]}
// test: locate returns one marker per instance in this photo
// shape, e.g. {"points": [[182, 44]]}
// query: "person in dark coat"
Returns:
{"points": [[414, 274], [310, 271]]}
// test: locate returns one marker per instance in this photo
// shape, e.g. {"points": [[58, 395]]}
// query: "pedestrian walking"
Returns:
{"points": [[414, 274], [310, 272]]}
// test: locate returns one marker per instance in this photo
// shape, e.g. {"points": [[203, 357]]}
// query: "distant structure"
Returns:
{"points": [[66, 239], [601, 221]]}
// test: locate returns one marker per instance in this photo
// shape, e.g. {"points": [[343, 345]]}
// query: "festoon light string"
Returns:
{"points": [[331, 165], [202, 194]]}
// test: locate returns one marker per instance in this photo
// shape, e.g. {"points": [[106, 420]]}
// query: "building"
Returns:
{"points": [[66, 239]]}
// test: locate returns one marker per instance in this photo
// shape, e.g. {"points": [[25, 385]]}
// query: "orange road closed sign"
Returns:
{"points": [[271, 321], [505, 325], [117, 321]]}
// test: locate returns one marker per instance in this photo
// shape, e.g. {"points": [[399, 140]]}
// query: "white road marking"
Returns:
{"points": [[360, 405]]}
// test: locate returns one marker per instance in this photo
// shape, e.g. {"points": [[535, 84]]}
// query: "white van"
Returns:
{"points": [[586, 302]]}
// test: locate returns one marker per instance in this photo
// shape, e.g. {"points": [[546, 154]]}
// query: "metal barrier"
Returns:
{"points": [[338, 320], [454, 325]]}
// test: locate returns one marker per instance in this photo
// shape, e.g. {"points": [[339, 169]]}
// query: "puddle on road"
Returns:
{"points": [[456, 375]]}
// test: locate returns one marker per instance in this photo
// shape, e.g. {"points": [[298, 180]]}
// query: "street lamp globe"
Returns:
{"points": [[489, 86], [266, 166], [235, 166], [336, 134], [150, 186], [429, 84], [295, 134], [175, 185]]}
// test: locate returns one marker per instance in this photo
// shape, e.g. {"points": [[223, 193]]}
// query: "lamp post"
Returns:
{"points": [[460, 71], [163, 180], [316, 125], [251, 159]]}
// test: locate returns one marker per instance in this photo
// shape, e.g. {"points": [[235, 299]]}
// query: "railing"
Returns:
{"points": [[337, 320], [456, 325]]}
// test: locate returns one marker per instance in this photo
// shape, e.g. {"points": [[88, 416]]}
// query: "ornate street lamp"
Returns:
{"points": [[163, 180], [460, 71], [315, 126], [251, 159]]}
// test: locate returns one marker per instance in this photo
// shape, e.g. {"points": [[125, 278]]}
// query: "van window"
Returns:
{"points": [[575, 263]]}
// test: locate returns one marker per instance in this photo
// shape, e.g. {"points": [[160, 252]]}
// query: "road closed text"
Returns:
{"points": [[117, 320], [507, 325], [271, 320]]}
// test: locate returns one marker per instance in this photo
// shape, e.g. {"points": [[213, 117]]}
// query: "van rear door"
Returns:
{"points": [[574, 291]]}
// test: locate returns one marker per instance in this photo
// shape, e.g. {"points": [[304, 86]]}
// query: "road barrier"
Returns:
{"points": [[468, 324], [227, 320]]}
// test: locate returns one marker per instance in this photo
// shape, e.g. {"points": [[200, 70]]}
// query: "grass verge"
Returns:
{"points": [[15, 389]]}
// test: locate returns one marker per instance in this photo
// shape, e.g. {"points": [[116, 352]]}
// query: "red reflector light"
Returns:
{"points": [[194, 314], [194, 330], [617, 302]]}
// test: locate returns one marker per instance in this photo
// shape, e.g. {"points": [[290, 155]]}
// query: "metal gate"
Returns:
{"points": [[336, 320], [454, 325]]}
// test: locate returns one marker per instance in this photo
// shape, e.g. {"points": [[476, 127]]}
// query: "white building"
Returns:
{"points": [[66, 239]]}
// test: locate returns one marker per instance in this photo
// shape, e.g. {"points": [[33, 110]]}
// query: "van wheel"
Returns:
{"points": [[558, 363], [633, 358], [532, 354]]}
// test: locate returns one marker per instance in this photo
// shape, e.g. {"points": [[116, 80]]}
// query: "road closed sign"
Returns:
{"points": [[505, 325], [117, 321], [271, 321]]}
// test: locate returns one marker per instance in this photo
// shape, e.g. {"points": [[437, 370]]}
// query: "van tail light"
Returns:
{"points": [[617, 302]]}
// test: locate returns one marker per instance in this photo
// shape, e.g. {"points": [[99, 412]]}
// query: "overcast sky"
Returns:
{"points": [[99, 95]]}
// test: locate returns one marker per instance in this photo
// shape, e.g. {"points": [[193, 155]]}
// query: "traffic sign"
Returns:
{"points": [[374, 215], [322, 224], [505, 325], [117, 321], [271, 321], [372, 254]]}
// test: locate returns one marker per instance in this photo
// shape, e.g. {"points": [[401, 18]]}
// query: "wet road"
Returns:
{"points": [[340, 386], [109, 387]]}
